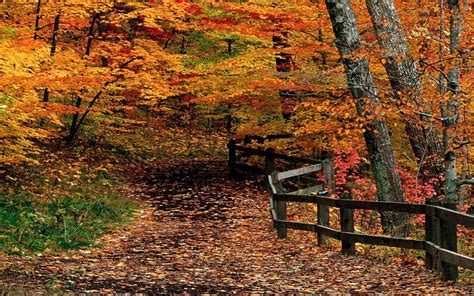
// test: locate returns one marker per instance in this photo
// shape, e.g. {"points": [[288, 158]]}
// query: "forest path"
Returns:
{"points": [[202, 232]]}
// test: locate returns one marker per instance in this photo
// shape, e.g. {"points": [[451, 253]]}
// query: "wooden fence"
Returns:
{"points": [[239, 151], [441, 218]]}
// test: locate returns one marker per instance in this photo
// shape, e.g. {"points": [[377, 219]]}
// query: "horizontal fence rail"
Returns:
{"points": [[451, 215], [449, 256], [301, 171], [442, 255], [441, 219], [354, 237], [237, 152], [268, 153], [353, 204]]}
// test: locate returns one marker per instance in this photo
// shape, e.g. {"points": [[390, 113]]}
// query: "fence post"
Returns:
{"points": [[347, 225], [281, 215], [270, 167], [247, 140], [279, 206], [449, 241], [432, 234], [323, 220], [232, 158], [328, 170]]}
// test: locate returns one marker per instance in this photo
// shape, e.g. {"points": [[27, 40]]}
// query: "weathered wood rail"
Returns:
{"points": [[440, 243], [441, 218], [239, 151]]}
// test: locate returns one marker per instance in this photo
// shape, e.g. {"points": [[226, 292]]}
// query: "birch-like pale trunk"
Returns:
{"points": [[452, 110]]}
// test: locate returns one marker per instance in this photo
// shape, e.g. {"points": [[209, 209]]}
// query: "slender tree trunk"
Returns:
{"points": [[284, 64], [324, 55], [90, 36], [75, 123], [54, 40], [320, 38], [72, 131], [81, 120], [54, 44], [453, 114], [229, 46], [37, 19], [364, 92], [441, 81], [455, 28], [442, 86], [405, 82]]}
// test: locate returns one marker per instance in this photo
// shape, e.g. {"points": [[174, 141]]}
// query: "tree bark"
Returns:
{"points": [[72, 130], [37, 19], [54, 39], [74, 124], [284, 64], [452, 110], [363, 90], [54, 44], [405, 81], [90, 36]]}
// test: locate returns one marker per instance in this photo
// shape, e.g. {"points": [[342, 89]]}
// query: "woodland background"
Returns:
{"points": [[90, 90]]}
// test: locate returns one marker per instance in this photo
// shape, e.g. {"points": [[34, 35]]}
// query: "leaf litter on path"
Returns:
{"points": [[201, 232]]}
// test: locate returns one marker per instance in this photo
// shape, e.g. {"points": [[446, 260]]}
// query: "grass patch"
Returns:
{"points": [[72, 216], [70, 197], [7, 33]]}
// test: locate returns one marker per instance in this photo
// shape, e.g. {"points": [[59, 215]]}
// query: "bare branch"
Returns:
{"points": [[462, 144]]}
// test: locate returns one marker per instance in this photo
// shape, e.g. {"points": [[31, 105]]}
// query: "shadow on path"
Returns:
{"points": [[201, 232]]}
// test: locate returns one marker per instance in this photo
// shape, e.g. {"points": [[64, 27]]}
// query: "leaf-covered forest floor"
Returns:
{"points": [[199, 231]]}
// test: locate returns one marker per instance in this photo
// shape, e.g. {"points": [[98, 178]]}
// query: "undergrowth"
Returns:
{"points": [[70, 196], [63, 202], [69, 222], [30, 223]]}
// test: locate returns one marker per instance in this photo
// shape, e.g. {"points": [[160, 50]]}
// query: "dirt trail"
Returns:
{"points": [[197, 235]]}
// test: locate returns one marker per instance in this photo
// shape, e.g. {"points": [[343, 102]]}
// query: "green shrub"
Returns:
{"points": [[66, 222]]}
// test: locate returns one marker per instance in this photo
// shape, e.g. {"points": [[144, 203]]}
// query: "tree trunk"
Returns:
{"points": [[54, 43], [37, 19], [74, 124], [81, 120], [364, 92], [72, 130], [405, 81], [54, 39], [452, 109], [90, 36], [284, 64]]}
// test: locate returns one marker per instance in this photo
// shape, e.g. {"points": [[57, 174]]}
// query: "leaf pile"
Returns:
{"points": [[202, 232]]}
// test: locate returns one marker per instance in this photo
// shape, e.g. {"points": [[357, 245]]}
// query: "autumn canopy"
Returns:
{"points": [[384, 89], [95, 93]]}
